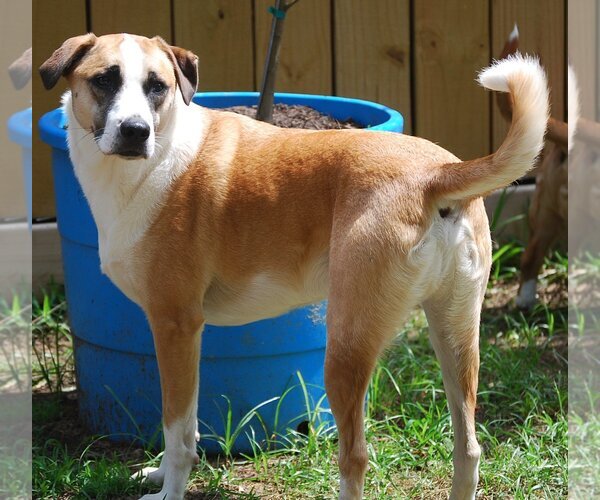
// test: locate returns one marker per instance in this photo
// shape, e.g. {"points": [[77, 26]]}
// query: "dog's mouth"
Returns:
{"points": [[131, 150], [132, 155]]}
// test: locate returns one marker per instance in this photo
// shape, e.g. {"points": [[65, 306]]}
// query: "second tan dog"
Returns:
{"points": [[548, 213], [207, 216]]}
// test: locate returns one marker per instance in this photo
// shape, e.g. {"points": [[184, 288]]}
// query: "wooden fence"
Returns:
{"points": [[15, 29], [584, 54], [418, 56]]}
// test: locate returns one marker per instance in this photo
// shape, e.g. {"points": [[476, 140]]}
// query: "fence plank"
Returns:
{"points": [[305, 63], [220, 33], [451, 46], [372, 52], [15, 26], [132, 16], [541, 31], [48, 36], [584, 53]]}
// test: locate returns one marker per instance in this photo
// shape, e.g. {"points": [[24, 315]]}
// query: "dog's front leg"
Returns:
{"points": [[177, 343]]}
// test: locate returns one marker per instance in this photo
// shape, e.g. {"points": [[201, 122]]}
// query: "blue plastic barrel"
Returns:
{"points": [[19, 131], [241, 367]]}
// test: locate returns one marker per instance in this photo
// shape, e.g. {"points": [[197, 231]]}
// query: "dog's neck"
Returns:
{"points": [[126, 193]]}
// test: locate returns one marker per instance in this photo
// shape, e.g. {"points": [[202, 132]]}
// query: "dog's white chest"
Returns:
{"points": [[121, 223], [125, 195], [116, 262]]}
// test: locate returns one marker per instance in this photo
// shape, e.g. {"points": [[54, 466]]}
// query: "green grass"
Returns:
{"points": [[52, 342], [59, 473], [15, 397], [522, 422], [584, 382]]}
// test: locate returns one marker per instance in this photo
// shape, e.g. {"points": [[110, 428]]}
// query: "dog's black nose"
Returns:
{"points": [[135, 130]]}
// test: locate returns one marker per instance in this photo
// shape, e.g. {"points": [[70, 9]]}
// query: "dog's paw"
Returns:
{"points": [[526, 298], [163, 495], [151, 475], [160, 496]]}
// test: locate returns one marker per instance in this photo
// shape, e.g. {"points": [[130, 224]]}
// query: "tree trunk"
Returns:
{"points": [[267, 91]]}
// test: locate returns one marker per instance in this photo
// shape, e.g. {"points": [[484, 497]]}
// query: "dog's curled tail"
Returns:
{"points": [[525, 79]]}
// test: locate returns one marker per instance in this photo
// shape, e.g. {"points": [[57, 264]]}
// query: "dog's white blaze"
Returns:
{"points": [[131, 100]]}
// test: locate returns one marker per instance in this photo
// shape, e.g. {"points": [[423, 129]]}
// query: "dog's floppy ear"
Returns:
{"points": [[65, 58], [20, 70], [186, 68]]}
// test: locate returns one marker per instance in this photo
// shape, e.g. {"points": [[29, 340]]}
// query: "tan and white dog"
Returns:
{"points": [[208, 216], [548, 214]]}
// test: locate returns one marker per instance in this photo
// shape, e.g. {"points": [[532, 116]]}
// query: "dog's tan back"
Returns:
{"points": [[263, 212]]}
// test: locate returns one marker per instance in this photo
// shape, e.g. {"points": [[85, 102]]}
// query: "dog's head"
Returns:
{"points": [[123, 87]]}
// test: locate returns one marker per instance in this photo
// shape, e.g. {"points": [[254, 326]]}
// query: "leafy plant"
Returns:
{"points": [[52, 341], [15, 359], [504, 262]]}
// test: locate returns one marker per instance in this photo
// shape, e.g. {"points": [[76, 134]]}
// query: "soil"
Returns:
{"points": [[56, 416], [501, 296], [296, 116]]}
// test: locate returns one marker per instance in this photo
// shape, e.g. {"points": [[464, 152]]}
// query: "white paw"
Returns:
{"points": [[155, 496], [527, 295], [162, 495], [152, 475]]}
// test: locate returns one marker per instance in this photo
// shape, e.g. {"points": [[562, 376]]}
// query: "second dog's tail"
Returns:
{"points": [[525, 79]]}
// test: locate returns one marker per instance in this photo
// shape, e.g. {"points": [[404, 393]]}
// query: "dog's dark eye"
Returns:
{"points": [[157, 87], [102, 81], [109, 80]]}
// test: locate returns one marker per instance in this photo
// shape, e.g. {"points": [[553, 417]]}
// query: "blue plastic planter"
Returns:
{"points": [[19, 131], [114, 354]]}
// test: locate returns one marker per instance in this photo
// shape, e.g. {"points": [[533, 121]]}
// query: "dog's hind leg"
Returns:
{"points": [[348, 367], [454, 330], [177, 343], [359, 327]]}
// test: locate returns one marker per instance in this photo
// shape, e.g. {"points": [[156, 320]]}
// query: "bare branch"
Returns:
{"points": [[290, 4]]}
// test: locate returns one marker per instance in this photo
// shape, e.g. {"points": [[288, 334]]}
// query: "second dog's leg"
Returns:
{"points": [[542, 237], [178, 353], [454, 332], [545, 225]]}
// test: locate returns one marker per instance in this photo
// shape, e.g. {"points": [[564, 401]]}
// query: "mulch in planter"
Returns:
{"points": [[296, 116]]}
